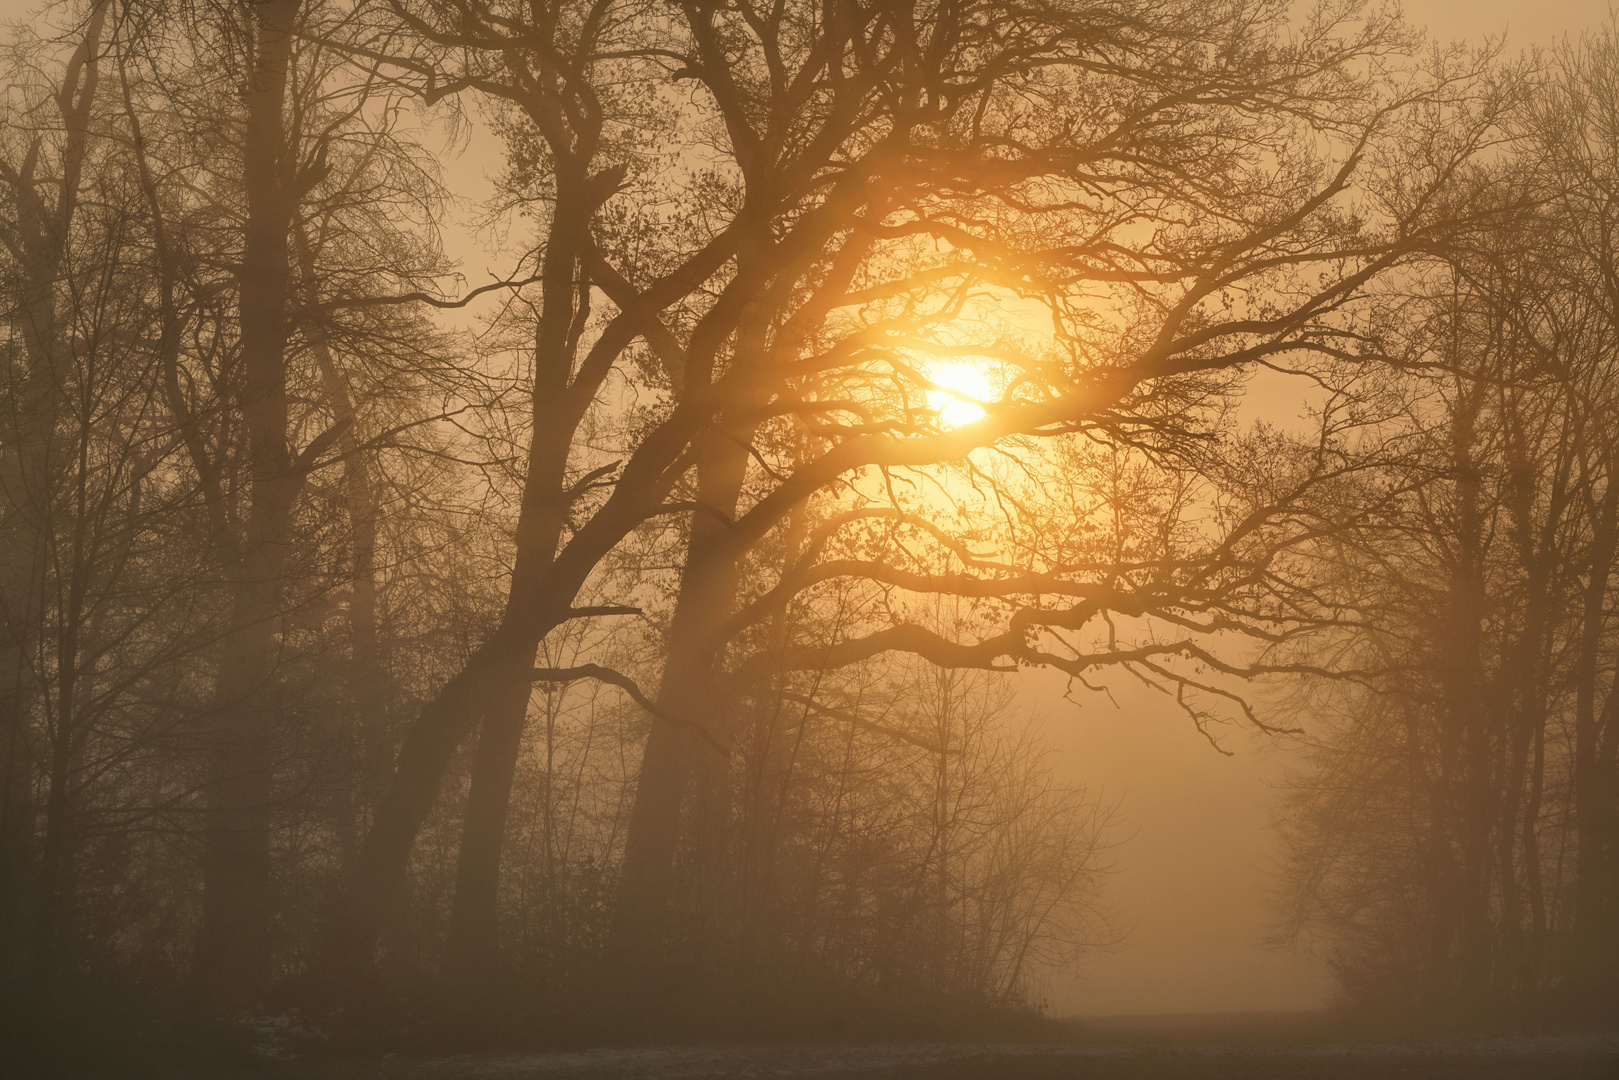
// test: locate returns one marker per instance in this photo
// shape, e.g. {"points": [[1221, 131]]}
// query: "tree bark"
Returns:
{"points": [[688, 691], [234, 944]]}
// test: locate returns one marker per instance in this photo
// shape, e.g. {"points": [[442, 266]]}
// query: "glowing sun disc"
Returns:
{"points": [[962, 388]]}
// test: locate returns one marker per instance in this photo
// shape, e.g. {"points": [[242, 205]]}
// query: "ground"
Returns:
{"points": [[1118, 1055]]}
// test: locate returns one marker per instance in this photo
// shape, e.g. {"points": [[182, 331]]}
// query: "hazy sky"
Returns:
{"points": [[1537, 22], [1193, 869]]}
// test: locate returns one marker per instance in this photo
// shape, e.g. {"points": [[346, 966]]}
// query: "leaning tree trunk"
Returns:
{"points": [[475, 918], [474, 927], [380, 873], [540, 599]]}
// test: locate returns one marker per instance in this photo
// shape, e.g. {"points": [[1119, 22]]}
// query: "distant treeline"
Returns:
{"points": [[1455, 838]]}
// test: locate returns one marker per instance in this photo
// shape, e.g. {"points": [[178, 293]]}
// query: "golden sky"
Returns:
{"points": [[1527, 23]]}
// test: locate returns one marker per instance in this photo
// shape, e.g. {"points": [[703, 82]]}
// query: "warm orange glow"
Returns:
{"points": [[962, 390]]}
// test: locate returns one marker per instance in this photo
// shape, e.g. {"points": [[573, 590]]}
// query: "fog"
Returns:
{"points": [[1196, 874], [534, 526], [1195, 862]]}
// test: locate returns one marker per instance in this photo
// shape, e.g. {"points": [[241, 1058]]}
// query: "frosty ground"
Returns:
{"points": [[1474, 1058]]}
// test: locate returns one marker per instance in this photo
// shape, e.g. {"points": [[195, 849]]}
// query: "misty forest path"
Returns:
{"points": [[1504, 1058]]}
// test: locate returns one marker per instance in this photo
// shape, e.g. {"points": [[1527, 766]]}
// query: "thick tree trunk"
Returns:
{"points": [[234, 946], [540, 599], [379, 873], [22, 578], [475, 920], [707, 595], [494, 681]]}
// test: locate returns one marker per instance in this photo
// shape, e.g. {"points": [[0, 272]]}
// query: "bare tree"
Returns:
{"points": [[1437, 840], [1150, 337]]}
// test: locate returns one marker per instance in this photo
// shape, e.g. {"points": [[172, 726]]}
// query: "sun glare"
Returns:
{"points": [[961, 391]]}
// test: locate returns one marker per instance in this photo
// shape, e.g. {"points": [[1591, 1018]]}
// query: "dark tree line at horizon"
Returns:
{"points": [[637, 629]]}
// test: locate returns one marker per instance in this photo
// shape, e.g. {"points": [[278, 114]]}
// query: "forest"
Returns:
{"points": [[619, 639]]}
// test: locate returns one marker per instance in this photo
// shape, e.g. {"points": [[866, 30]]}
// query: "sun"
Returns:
{"points": [[960, 394]]}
